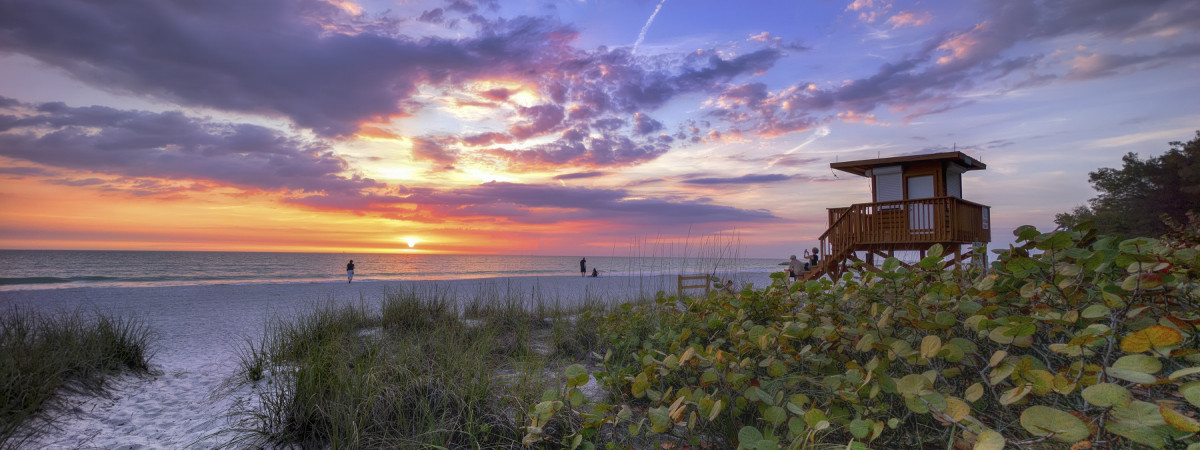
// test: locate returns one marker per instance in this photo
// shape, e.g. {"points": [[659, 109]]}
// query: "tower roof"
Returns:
{"points": [[861, 167]]}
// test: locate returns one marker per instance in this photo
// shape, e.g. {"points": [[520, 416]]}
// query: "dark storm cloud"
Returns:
{"points": [[171, 145], [744, 179]]}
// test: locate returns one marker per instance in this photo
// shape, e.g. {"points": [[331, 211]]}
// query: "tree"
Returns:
{"points": [[1134, 199]]}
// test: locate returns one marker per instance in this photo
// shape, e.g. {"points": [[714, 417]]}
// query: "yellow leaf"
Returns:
{"points": [[1178, 421], [975, 392], [1013, 395], [997, 357], [930, 346], [1152, 337], [956, 409], [687, 354], [989, 440]]}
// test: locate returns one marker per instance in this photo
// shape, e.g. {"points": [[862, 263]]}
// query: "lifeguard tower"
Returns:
{"points": [[916, 203]]}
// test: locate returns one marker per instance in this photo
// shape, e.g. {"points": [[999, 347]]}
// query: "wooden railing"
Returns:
{"points": [[927, 220]]}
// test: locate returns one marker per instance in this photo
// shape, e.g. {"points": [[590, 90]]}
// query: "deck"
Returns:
{"points": [[885, 227]]}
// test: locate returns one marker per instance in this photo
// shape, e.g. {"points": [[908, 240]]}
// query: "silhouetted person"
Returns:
{"points": [[595, 273], [350, 271], [583, 267]]}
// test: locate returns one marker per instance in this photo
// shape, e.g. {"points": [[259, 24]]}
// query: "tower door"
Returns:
{"points": [[920, 217]]}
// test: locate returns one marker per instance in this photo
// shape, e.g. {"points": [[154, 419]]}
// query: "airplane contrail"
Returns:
{"points": [[820, 132], [646, 27]]}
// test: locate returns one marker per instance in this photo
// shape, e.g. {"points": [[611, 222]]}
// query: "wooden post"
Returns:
{"points": [[692, 282]]}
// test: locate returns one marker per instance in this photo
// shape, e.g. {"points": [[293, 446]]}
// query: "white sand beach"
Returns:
{"points": [[198, 329]]}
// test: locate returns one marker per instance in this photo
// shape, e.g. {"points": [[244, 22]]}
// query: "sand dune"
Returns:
{"points": [[198, 328]]}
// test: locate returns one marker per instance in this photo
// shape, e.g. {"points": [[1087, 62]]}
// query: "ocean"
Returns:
{"points": [[53, 269]]}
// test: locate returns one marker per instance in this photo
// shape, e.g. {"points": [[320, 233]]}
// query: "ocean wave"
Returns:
{"points": [[52, 280]]}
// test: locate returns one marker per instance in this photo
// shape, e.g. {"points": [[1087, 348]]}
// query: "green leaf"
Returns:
{"points": [[936, 251], [1043, 420], [1105, 395], [814, 416], [860, 428], [911, 384], [1056, 241], [1130, 375], [576, 375], [1025, 232], [660, 419], [1095, 312], [576, 397], [749, 436], [890, 265], [1191, 392], [1139, 363], [774, 415], [1139, 413], [796, 426], [1139, 434]]}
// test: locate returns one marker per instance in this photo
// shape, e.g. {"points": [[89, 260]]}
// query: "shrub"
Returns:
{"points": [[43, 356], [1071, 339]]}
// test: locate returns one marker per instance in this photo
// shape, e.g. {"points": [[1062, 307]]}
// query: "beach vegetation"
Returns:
{"points": [[45, 356], [1071, 339], [419, 370]]}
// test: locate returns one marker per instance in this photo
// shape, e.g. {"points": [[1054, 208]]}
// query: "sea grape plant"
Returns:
{"points": [[1070, 339]]}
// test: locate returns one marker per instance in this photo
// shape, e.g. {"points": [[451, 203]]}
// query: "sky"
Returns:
{"points": [[581, 127]]}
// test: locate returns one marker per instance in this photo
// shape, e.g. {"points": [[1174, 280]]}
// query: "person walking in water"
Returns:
{"points": [[350, 271], [583, 267]]}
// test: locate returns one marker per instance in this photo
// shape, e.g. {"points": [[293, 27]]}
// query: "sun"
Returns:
{"points": [[411, 241]]}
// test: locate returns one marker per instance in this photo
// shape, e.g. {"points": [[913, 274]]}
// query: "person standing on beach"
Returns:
{"points": [[583, 267], [350, 271]]}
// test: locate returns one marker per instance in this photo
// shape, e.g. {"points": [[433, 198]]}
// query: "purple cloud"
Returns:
{"points": [[171, 145], [928, 81], [526, 203], [744, 179], [579, 175], [270, 56]]}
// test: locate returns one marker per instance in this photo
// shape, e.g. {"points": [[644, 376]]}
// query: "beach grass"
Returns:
{"points": [[421, 370], [43, 356]]}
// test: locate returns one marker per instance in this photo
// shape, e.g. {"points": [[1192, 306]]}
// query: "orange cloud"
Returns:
{"points": [[870, 10], [962, 46], [853, 117], [910, 19]]}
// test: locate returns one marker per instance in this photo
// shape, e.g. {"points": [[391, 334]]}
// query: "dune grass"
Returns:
{"points": [[44, 355], [420, 370]]}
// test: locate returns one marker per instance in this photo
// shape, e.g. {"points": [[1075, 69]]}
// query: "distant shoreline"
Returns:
{"points": [[53, 283]]}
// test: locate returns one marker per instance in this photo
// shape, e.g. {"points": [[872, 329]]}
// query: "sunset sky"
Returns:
{"points": [[558, 128]]}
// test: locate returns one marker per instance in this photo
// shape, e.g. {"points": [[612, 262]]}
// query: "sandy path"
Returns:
{"points": [[198, 328]]}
